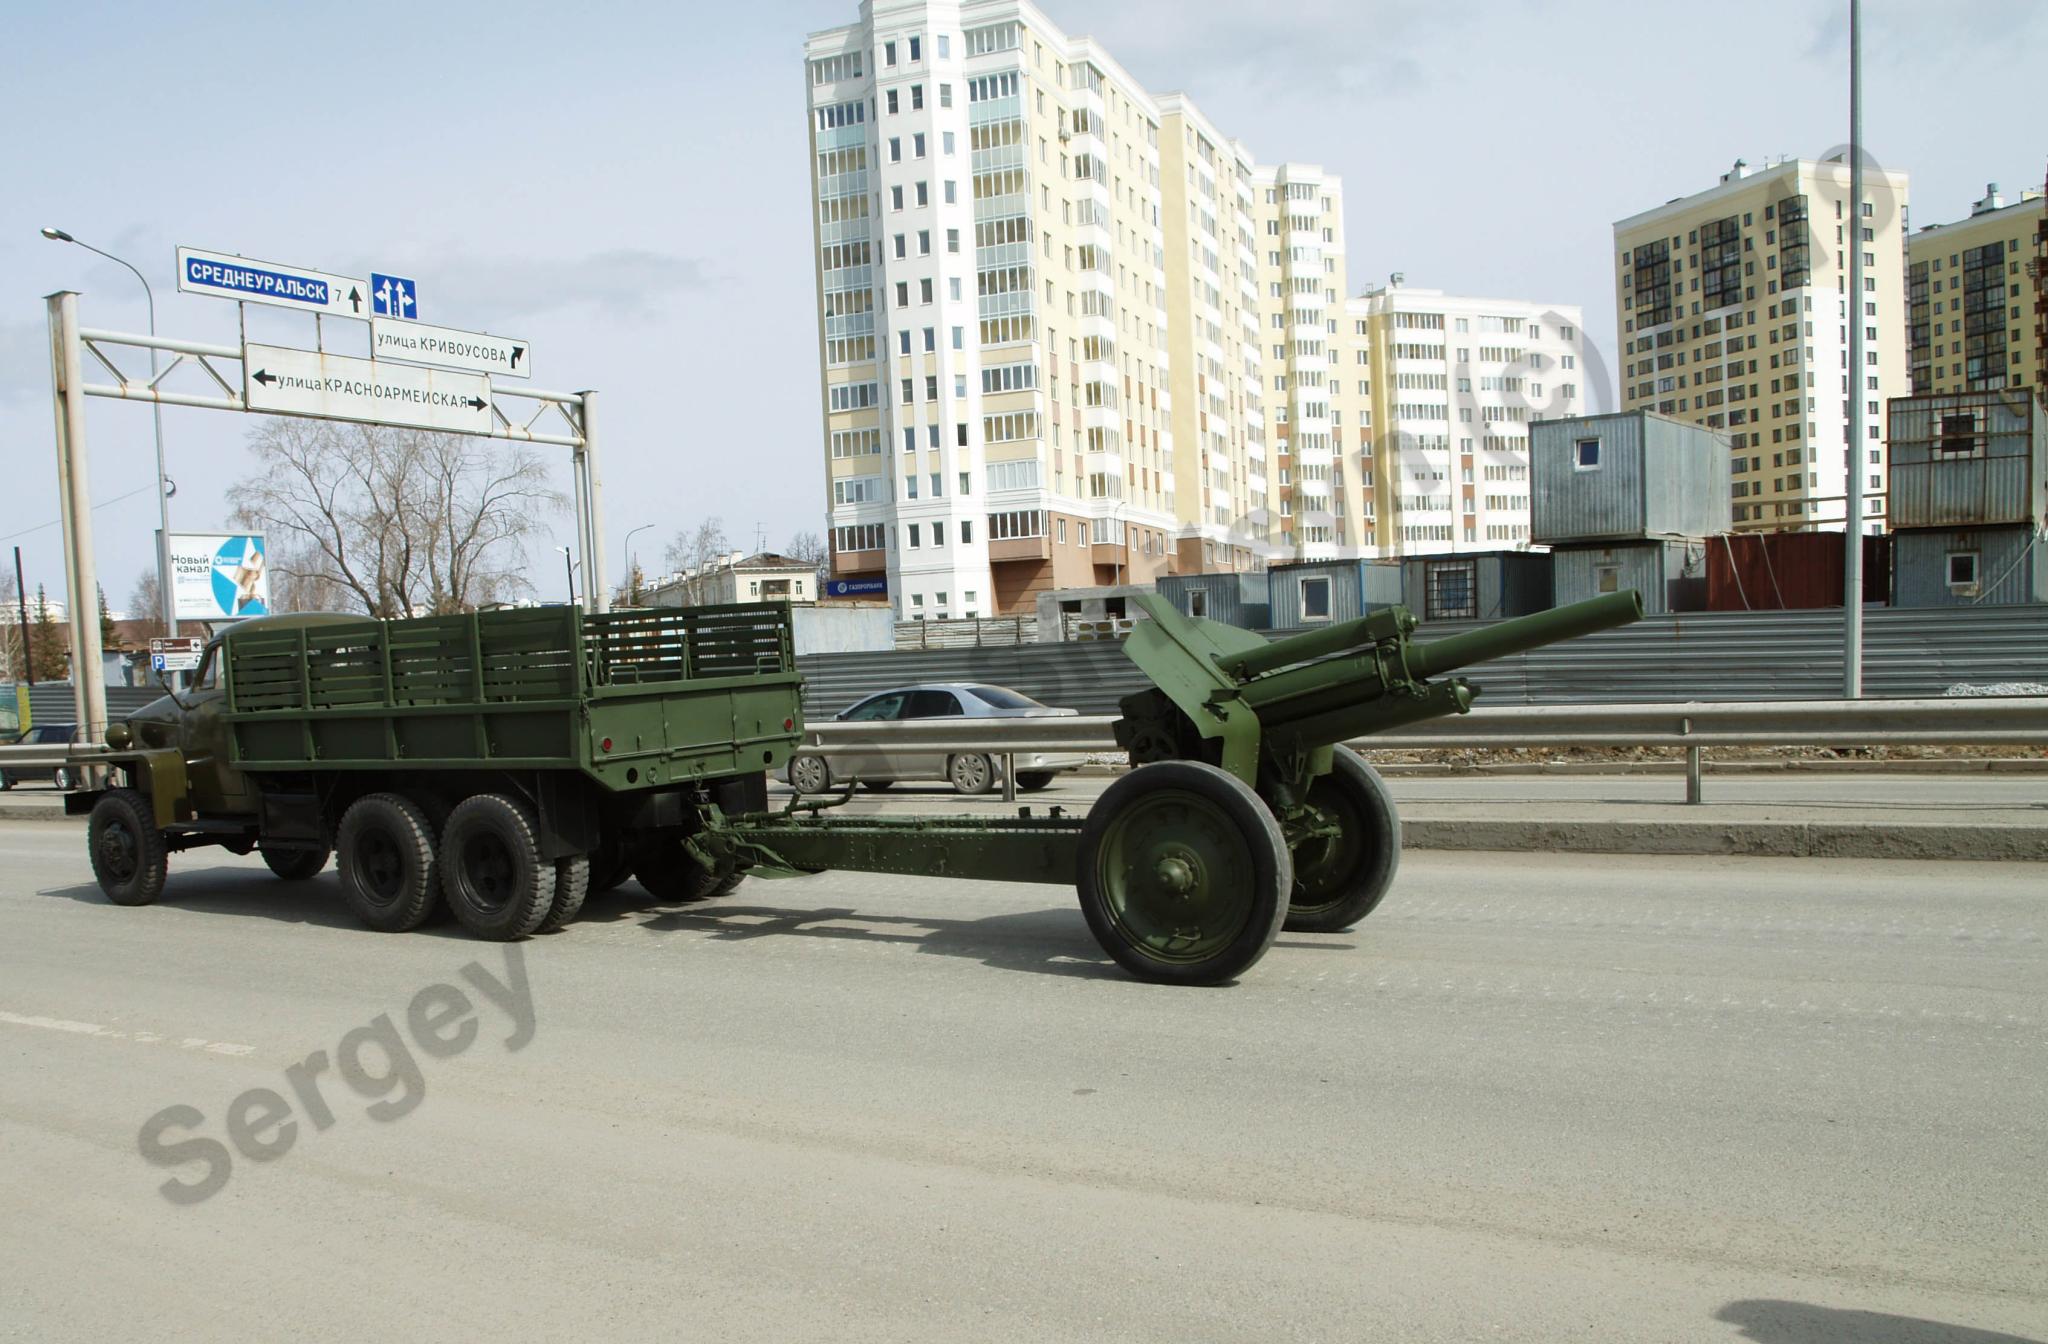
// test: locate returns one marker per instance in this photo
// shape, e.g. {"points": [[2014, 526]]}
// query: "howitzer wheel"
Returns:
{"points": [[1183, 873], [1341, 875]]}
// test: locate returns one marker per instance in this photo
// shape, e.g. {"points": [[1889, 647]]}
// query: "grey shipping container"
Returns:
{"points": [[1972, 566], [1234, 599], [1968, 458], [1315, 592], [1626, 477], [1670, 575], [1479, 586]]}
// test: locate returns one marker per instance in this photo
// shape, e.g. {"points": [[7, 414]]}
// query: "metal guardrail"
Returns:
{"points": [[1695, 726]]}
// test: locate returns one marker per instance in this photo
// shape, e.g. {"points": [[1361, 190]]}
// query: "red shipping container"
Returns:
{"points": [[1786, 571]]}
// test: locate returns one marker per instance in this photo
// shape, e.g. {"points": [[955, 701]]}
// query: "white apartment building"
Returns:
{"points": [[1734, 313], [992, 305], [1435, 393]]}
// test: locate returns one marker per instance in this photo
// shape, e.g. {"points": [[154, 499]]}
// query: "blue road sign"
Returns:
{"points": [[391, 296], [225, 276], [856, 587]]}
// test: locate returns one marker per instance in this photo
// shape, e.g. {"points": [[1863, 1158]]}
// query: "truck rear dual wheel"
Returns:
{"points": [[492, 873], [129, 856], [1340, 878], [389, 876], [1183, 874], [572, 888], [672, 877]]}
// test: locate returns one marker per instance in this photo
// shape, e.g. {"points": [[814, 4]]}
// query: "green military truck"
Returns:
{"points": [[509, 762]]}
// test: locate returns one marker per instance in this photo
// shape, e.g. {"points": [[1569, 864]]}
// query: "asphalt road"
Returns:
{"points": [[1534, 1097]]}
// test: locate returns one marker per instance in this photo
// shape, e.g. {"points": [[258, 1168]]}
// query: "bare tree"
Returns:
{"points": [[145, 604], [810, 549], [698, 547], [392, 521]]}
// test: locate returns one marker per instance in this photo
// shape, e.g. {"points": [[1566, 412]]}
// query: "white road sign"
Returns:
{"points": [[418, 343], [229, 277], [337, 387]]}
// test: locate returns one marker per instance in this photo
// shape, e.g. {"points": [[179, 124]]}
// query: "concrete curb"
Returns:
{"points": [[1766, 839]]}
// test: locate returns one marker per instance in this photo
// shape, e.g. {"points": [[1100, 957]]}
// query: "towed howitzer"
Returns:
{"points": [[1274, 715]]}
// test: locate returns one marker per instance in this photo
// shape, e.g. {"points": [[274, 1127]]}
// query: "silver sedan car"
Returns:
{"points": [[878, 768]]}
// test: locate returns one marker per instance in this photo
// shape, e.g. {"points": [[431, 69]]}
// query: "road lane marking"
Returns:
{"points": [[115, 1034]]}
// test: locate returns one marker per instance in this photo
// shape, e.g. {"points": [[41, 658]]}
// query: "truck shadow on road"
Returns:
{"points": [[1053, 941], [1771, 1321], [240, 891]]}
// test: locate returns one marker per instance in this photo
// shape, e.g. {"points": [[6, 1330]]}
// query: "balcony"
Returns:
{"points": [[1020, 548], [860, 562]]}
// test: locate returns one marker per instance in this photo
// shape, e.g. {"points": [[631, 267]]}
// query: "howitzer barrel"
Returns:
{"points": [[1525, 633], [1373, 629]]}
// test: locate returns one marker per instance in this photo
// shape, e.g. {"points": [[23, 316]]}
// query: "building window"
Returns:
{"points": [[1962, 569], [1586, 455], [1452, 591], [888, 53], [1315, 599], [1198, 601], [1607, 578]]}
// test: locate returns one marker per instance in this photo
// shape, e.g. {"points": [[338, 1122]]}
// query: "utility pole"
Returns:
{"points": [[1852, 531]]}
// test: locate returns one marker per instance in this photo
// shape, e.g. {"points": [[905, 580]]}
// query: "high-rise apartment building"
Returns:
{"points": [[1300, 238], [1971, 291], [1733, 309], [1215, 340], [992, 307], [1436, 395]]}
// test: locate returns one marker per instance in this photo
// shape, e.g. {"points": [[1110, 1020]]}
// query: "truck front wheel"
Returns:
{"points": [[491, 869], [387, 862], [129, 856]]}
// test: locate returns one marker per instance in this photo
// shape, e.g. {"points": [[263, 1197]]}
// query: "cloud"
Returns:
{"points": [[622, 282]]}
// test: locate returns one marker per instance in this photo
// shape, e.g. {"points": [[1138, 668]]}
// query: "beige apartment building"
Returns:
{"points": [[1733, 311], [1435, 395], [1222, 470], [1971, 289]]}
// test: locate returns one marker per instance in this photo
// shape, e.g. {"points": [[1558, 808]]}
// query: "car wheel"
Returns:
{"points": [[810, 774], [971, 774]]}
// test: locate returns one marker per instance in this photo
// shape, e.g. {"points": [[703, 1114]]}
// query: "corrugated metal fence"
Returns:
{"points": [[50, 701], [1748, 655]]}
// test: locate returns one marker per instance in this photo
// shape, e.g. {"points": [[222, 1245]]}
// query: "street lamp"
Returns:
{"points": [[569, 568], [165, 599], [629, 556]]}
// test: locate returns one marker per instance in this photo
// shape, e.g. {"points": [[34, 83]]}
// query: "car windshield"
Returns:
{"points": [[1002, 699]]}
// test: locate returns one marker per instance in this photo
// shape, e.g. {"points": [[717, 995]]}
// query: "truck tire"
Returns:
{"points": [[1183, 873], [610, 864], [295, 865], [388, 871], [496, 882], [572, 887], [1339, 879], [1031, 781], [129, 856]]}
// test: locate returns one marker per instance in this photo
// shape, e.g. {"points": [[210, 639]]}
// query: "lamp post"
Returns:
{"points": [[1852, 513], [166, 602], [629, 556]]}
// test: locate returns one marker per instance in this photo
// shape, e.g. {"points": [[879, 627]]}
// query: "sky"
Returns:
{"points": [[625, 187]]}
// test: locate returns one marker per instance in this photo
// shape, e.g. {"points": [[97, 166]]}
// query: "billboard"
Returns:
{"points": [[219, 577]]}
